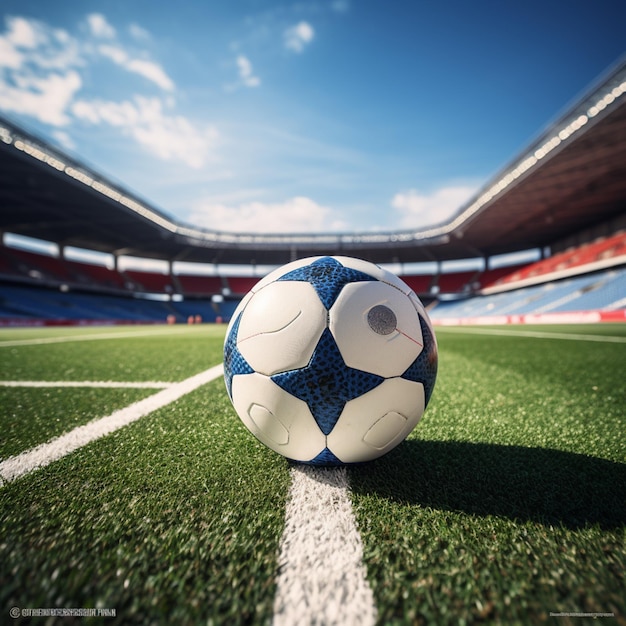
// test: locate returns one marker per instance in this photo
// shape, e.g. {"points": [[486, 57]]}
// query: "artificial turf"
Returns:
{"points": [[507, 502], [31, 416], [174, 519], [136, 354]]}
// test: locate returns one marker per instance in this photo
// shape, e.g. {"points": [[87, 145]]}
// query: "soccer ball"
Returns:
{"points": [[330, 360]]}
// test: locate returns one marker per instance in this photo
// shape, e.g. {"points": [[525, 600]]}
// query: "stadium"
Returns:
{"points": [[131, 492]]}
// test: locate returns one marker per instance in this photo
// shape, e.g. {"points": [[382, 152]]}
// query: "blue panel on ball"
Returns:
{"points": [[326, 383], [328, 277], [424, 368], [234, 363], [325, 457]]}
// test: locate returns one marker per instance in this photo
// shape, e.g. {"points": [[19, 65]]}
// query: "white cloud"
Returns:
{"points": [[37, 70], [29, 45], [64, 139], [298, 214], [297, 37], [100, 27], [10, 56], [245, 72], [45, 99], [417, 209], [152, 71], [41, 68], [138, 32], [114, 53], [148, 69], [22, 33], [168, 137]]}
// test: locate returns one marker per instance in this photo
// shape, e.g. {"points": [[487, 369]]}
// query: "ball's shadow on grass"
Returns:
{"points": [[537, 484]]}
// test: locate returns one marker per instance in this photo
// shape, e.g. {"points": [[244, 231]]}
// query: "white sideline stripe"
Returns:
{"points": [[68, 338], [321, 579], [536, 334], [108, 384], [56, 448]]}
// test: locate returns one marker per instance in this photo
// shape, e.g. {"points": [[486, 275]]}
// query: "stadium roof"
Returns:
{"points": [[572, 177]]}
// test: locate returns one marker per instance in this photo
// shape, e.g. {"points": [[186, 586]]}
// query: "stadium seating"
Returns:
{"points": [[420, 284], [455, 282], [601, 249], [7, 265], [96, 275], [599, 291], [241, 285], [149, 282], [36, 303], [606, 292], [41, 287], [40, 265], [490, 277], [199, 285]]}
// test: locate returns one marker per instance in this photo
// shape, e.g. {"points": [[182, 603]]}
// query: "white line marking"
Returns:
{"points": [[56, 448], [321, 579], [536, 334], [68, 338], [108, 384]]}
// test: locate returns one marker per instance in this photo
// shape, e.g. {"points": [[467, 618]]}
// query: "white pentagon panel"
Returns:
{"points": [[385, 351], [374, 270], [281, 326], [276, 418], [376, 422]]}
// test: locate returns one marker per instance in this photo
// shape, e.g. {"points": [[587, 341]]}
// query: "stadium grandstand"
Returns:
{"points": [[544, 239]]}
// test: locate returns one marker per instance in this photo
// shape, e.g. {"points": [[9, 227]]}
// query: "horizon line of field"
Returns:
{"points": [[160, 329], [532, 334], [165, 329]]}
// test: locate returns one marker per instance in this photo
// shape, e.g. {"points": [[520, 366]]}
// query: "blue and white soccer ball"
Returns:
{"points": [[330, 360]]}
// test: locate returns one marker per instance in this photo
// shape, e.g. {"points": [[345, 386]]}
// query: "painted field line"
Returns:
{"points": [[321, 579], [69, 338], [107, 384], [57, 448], [532, 333]]}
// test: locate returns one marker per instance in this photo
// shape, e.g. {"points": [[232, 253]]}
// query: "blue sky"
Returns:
{"points": [[320, 115]]}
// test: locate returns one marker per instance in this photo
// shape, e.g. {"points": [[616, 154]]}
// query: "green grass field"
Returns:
{"points": [[506, 504]]}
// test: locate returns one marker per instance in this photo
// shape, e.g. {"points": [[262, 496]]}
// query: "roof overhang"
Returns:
{"points": [[572, 177]]}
